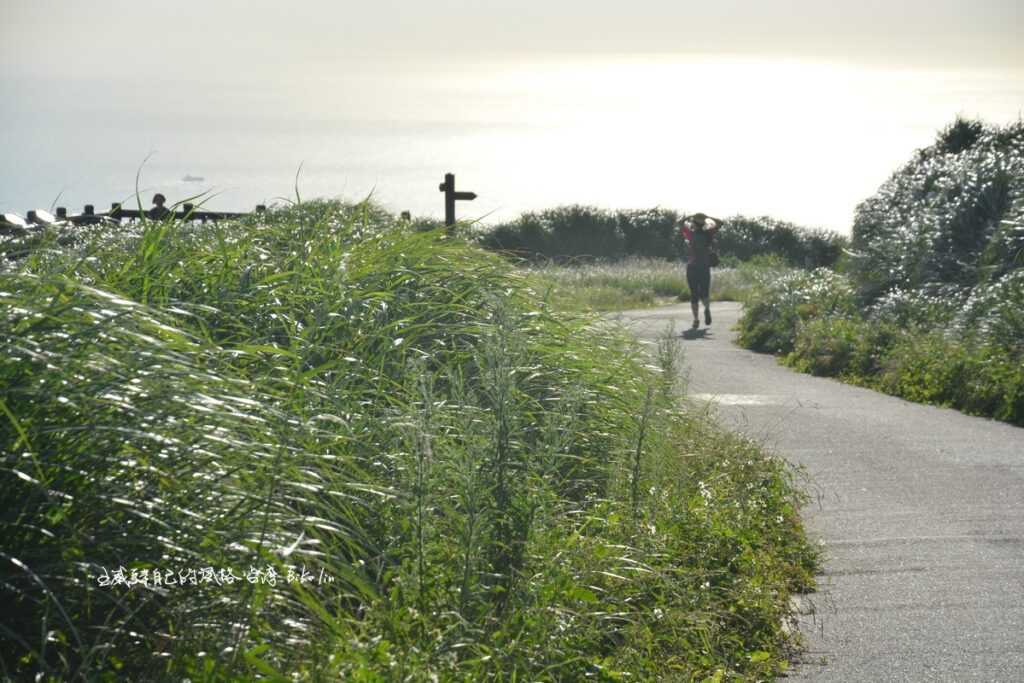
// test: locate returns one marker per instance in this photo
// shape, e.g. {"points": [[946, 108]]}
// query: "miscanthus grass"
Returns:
{"points": [[927, 306], [638, 282], [317, 445]]}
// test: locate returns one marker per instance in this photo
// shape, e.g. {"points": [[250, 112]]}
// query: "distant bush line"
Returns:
{"points": [[577, 232]]}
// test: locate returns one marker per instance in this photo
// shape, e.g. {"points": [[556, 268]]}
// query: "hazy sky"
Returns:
{"points": [[178, 38]]}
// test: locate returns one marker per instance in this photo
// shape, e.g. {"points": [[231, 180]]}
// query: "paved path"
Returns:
{"points": [[920, 510]]}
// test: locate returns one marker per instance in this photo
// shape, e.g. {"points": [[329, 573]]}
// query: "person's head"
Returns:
{"points": [[159, 199], [699, 221]]}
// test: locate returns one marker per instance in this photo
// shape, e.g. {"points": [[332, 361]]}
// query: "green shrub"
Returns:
{"points": [[746, 238], [994, 313], [960, 135], [582, 233], [650, 233], [899, 352], [565, 232], [775, 310], [935, 368], [833, 346], [936, 262], [950, 216]]}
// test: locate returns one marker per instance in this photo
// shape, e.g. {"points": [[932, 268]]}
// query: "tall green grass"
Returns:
{"points": [[476, 486]]}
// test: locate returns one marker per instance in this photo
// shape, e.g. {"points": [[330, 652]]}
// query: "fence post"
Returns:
{"points": [[450, 196]]}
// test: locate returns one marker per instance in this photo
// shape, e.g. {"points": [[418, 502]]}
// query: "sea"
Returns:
{"points": [[800, 140]]}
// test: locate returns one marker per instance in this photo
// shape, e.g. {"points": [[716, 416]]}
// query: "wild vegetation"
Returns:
{"points": [[930, 304], [318, 444], [640, 282], [577, 234]]}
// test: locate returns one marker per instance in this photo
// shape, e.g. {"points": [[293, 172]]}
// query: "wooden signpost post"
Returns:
{"points": [[451, 196]]}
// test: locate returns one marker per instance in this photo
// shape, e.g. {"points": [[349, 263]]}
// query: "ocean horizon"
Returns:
{"points": [[801, 141]]}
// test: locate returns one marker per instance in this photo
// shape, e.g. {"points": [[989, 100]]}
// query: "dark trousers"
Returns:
{"points": [[698, 278]]}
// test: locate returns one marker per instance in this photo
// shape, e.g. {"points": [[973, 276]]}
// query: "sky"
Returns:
{"points": [[74, 38], [828, 97]]}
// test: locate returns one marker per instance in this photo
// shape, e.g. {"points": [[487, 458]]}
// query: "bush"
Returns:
{"points": [[650, 233], [960, 135], [746, 238], [950, 216], [933, 368], [566, 232], [937, 269], [835, 346], [585, 233], [994, 313], [775, 311], [902, 354]]}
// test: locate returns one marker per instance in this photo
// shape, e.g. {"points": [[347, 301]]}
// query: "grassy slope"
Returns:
{"points": [[492, 489]]}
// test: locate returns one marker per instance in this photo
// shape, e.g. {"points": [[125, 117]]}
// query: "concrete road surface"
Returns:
{"points": [[920, 511]]}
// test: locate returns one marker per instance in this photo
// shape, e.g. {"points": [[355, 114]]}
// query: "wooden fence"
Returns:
{"points": [[11, 222], [117, 213]]}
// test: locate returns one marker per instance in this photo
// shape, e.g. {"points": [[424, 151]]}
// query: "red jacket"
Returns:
{"points": [[698, 249]]}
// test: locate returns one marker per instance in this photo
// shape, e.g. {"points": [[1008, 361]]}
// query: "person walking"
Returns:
{"points": [[699, 232]]}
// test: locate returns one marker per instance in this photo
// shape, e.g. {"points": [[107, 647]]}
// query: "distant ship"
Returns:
{"points": [[192, 179]]}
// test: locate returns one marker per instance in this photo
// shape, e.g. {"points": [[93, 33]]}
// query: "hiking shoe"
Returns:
{"points": [[696, 323], [707, 316]]}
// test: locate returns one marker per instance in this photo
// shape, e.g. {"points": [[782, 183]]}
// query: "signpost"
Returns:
{"points": [[451, 196]]}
